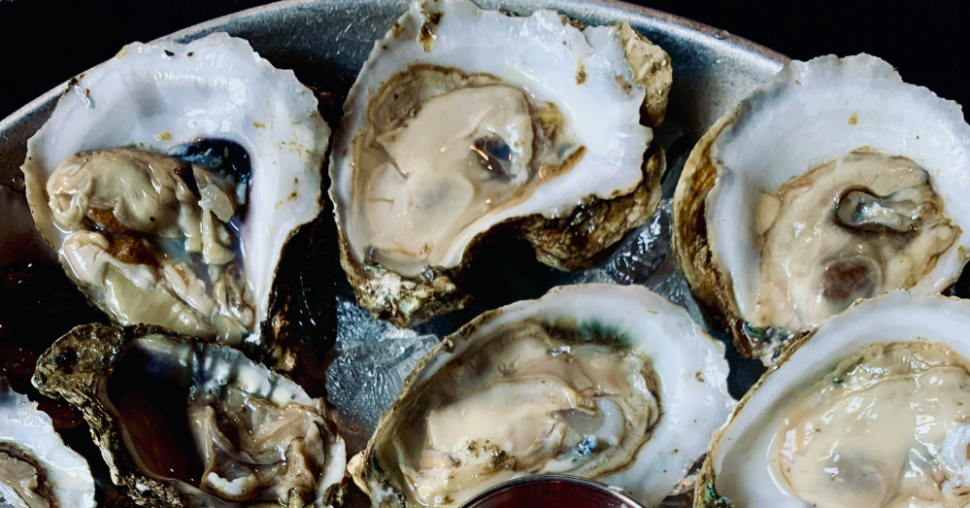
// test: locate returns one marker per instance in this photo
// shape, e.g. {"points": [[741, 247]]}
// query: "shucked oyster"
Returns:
{"points": [[836, 181], [186, 423], [463, 120], [36, 469], [872, 410], [601, 381], [170, 178]]}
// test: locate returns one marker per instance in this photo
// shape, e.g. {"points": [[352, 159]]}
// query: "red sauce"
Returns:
{"points": [[551, 492]]}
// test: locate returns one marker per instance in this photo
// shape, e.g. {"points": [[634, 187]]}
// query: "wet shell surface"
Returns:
{"points": [[183, 422], [835, 181], [601, 381], [170, 178], [36, 467], [870, 409], [465, 121]]}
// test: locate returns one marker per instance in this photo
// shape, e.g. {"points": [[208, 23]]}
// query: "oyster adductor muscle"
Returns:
{"points": [[591, 380], [169, 180], [464, 122], [834, 182], [184, 422]]}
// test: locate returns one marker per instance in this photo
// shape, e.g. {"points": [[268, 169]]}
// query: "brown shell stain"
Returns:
{"points": [[580, 72], [428, 32]]}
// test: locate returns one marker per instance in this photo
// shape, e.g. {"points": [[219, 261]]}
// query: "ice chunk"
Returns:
{"points": [[366, 377]]}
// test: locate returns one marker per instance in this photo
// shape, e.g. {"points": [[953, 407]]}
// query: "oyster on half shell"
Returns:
{"points": [[37, 470], [836, 181], [601, 381], [184, 423], [464, 121], [170, 178], [871, 409]]}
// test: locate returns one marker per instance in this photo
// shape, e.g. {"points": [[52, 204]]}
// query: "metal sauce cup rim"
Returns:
{"points": [[616, 494]]}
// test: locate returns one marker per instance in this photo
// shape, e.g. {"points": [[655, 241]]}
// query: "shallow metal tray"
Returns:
{"points": [[326, 41]]}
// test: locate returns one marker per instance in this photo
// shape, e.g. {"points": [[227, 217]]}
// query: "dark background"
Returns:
{"points": [[44, 42]]}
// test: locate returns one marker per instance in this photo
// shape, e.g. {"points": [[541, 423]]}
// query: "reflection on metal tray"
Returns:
{"points": [[325, 42]]}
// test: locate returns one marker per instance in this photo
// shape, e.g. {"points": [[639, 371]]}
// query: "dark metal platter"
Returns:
{"points": [[326, 42]]}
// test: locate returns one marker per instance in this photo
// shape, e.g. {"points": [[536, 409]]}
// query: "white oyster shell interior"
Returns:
{"points": [[530, 400], [869, 411], [161, 95], [811, 114], [431, 213], [34, 459]]}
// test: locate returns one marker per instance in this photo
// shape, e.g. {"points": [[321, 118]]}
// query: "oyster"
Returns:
{"points": [[836, 181], [464, 121], [593, 380], [183, 422], [170, 178], [872, 409], [37, 470]]}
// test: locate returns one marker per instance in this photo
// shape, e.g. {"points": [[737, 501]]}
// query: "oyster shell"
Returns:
{"points": [[37, 470], [871, 409], [182, 422], [835, 181], [170, 178], [593, 380], [465, 121]]}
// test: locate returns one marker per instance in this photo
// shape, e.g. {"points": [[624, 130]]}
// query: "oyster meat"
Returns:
{"points": [[169, 179], [836, 181], [37, 470], [872, 410], [592, 380], [184, 422], [464, 120]]}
